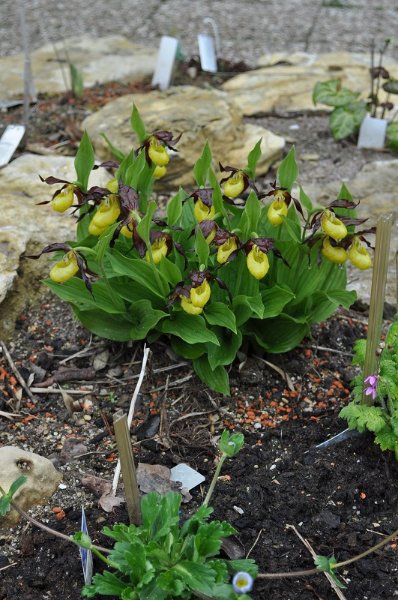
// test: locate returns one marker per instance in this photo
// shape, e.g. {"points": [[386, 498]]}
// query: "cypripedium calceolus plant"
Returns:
{"points": [[207, 273]]}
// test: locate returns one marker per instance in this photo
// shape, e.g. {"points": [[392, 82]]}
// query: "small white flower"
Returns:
{"points": [[242, 582]]}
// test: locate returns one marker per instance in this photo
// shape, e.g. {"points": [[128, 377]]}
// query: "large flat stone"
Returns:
{"points": [[98, 59], [25, 223], [200, 115], [285, 82]]}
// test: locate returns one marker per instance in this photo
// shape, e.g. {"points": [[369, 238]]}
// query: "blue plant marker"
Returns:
{"points": [[86, 555]]}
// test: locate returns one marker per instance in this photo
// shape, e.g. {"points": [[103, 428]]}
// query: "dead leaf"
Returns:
{"points": [[101, 360], [72, 447], [108, 502], [156, 478], [98, 485]]}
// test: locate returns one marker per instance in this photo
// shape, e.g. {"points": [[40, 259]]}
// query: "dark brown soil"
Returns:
{"points": [[341, 499]]}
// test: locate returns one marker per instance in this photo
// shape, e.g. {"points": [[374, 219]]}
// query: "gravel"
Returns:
{"points": [[248, 29]]}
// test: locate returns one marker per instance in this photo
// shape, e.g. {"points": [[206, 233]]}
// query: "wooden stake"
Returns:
{"points": [[126, 458], [377, 295]]}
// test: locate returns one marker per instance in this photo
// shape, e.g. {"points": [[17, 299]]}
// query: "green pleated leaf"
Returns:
{"points": [[174, 207], [75, 292], [250, 216], [245, 307], [279, 334], [218, 313], [253, 158], [216, 379], [116, 152], [202, 249], [275, 299], [225, 353], [138, 270], [190, 328], [305, 200], [189, 351], [288, 170], [137, 125], [143, 318], [84, 161], [392, 135], [218, 201], [346, 120], [126, 161], [170, 271], [110, 327], [331, 93], [202, 166]]}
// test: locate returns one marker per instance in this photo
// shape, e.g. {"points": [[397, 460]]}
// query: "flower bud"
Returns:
{"points": [[225, 250], [359, 255], [257, 262], [277, 212], [65, 269], [64, 200], [336, 254], [234, 185], [159, 250], [186, 304], [200, 295], [203, 212], [107, 212], [157, 152], [332, 226]]}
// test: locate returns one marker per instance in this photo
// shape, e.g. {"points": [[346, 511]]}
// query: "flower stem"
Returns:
{"points": [[214, 480], [339, 565], [49, 530]]}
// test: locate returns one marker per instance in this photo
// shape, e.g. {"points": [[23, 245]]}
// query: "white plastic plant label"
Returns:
{"points": [[86, 555], [165, 62], [9, 142], [207, 53], [188, 477], [372, 133]]}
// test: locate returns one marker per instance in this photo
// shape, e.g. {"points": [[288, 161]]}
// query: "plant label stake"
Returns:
{"points": [[372, 133], [165, 62], [9, 142], [86, 556], [188, 477], [208, 47]]}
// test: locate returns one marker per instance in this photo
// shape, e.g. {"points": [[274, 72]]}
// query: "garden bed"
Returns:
{"points": [[342, 499]]}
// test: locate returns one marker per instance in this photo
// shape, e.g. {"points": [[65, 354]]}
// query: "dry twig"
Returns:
{"points": [[306, 543], [14, 369], [131, 412]]}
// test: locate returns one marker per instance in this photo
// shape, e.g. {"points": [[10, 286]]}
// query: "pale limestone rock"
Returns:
{"points": [[42, 479], [200, 115], [112, 58], [23, 222], [376, 187], [285, 82]]}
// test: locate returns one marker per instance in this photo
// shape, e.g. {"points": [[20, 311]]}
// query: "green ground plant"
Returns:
{"points": [[206, 272], [350, 108], [382, 417]]}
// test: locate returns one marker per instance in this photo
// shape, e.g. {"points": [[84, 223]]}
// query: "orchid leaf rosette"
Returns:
{"points": [[224, 263]]}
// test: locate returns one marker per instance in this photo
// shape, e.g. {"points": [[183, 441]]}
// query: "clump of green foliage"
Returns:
{"points": [[350, 108], [382, 417], [207, 273]]}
